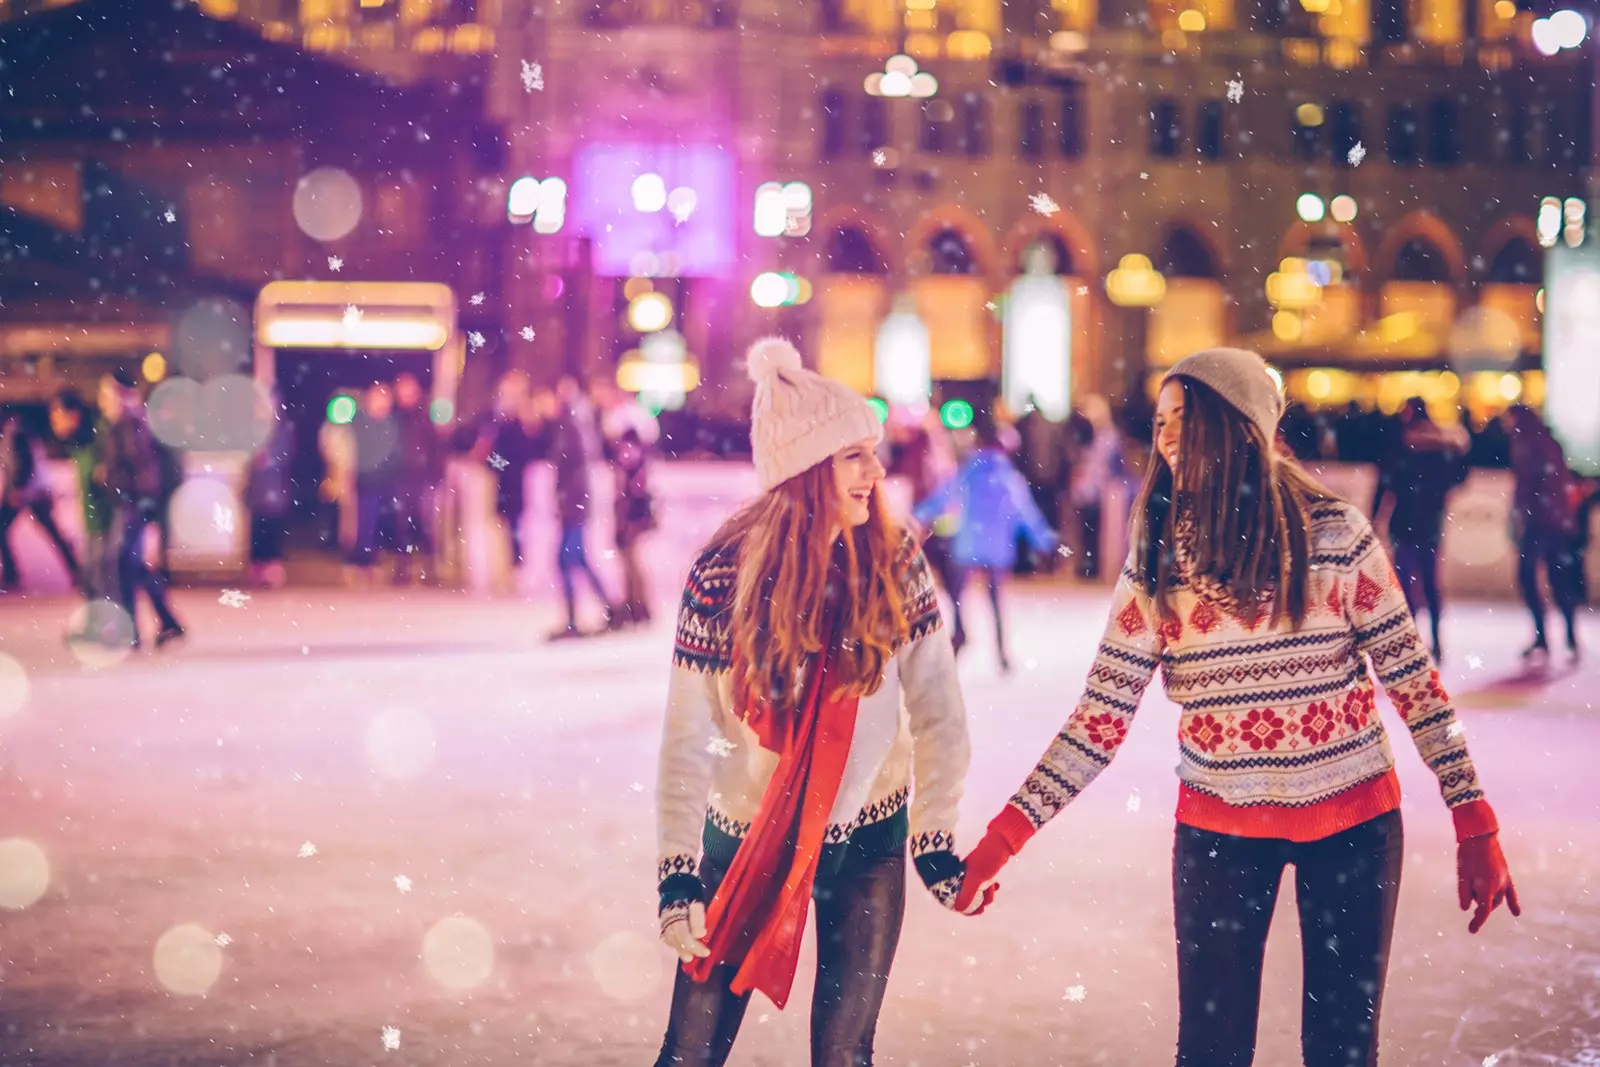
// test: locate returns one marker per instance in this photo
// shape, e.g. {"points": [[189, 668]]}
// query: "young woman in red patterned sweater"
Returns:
{"points": [[1263, 598]]}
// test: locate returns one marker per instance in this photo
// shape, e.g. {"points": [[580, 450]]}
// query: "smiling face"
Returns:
{"points": [[1169, 423], [856, 473]]}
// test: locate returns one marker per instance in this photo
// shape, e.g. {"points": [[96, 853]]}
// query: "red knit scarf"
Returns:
{"points": [[758, 914]]}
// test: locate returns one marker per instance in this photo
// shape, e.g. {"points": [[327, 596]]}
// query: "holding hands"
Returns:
{"points": [[683, 917]]}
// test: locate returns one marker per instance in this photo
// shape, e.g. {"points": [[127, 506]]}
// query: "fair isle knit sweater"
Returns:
{"points": [[713, 771], [1278, 736]]}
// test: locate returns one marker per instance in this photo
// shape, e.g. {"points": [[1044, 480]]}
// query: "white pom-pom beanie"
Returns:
{"points": [[800, 418]]}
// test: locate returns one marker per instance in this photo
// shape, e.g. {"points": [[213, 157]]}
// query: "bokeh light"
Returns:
{"points": [[205, 517], [458, 953], [236, 414], [327, 204], [879, 408], [627, 965], [1484, 334], [956, 414], [342, 409], [174, 412], [441, 412], [154, 367], [103, 634], [649, 193], [24, 873], [400, 743], [188, 960], [14, 686], [212, 337]]}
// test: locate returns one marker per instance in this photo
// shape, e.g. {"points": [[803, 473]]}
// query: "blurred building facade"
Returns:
{"points": [[1378, 166]]}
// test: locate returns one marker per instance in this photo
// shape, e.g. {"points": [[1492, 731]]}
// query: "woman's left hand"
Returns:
{"points": [[1484, 879]]}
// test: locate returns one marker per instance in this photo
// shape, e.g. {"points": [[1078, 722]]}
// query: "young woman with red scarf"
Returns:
{"points": [[787, 763], [1263, 600]]}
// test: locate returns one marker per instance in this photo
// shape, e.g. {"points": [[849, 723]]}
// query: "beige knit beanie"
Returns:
{"points": [[1241, 378], [800, 418]]}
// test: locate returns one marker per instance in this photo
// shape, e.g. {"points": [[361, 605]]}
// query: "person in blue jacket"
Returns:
{"points": [[994, 505]]}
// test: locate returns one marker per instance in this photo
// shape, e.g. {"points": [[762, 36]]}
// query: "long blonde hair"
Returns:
{"points": [[788, 560], [1251, 510]]}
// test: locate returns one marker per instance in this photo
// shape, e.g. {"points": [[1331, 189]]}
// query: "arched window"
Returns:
{"points": [[1344, 131], [1166, 128], [1420, 260], [1403, 136], [1060, 254], [1444, 136], [1030, 136], [833, 132], [874, 132], [951, 254], [1185, 255], [851, 251], [1517, 263], [1210, 136]]}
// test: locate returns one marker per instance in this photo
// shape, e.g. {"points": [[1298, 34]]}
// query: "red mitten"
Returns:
{"points": [[1482, 878], [1005, 837]]}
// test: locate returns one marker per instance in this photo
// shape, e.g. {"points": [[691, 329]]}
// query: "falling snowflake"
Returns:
{"points": [[720, 746], [879, 158], [1475, 662], [991, 306], [1212, 853], [171, 215], [352, 315], [476, 300], [335, 264], [1491, 1059], [1074, 994], [233, 598], [1042, 203], [1357, 153], [526, 333], [223, 940], [476, 339], [1133, 801], [391, 1038], [1456, 730], [307, 850], [532, 76], [498, 462], [1235, 91], [222, 518], [1065, 551], [637, 787], [402, 883]]}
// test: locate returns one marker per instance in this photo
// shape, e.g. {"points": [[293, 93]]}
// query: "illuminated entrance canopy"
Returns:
{"points": [[407, 316]]}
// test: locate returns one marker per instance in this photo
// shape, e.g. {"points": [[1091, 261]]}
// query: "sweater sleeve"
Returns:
{"points": [[1386, 631], [940, 748], [1126, 660], [702, 653]]}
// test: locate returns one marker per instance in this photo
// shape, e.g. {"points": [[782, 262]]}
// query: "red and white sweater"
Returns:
{"points": [[1278, 735]]}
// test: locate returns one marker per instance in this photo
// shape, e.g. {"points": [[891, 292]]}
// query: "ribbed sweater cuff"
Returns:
{"points": [[1013, 827], [1474, 819]]}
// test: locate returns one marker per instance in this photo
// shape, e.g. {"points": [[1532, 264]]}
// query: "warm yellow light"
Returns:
{"points": [[1538, 300], [1398, 327], [1309, 114], [154, 367], [967, 44], [1510, 387], [1343, 208], [640, 376], [649, 312], [1315, 7], [1135, 283], [634, 288], [1192, 21], [1291, 287], [1286, 326], [1505, 9], [1318, 385]]}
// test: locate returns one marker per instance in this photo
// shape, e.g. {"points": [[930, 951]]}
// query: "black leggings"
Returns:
{"points": [[1561, 564], [994, 576], [1224, 889], [859, 913], [1417, 564]]}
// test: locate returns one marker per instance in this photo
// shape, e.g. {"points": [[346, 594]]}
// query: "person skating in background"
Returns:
{"points": [[635, 517], [995, 507], [1042, 460], [270, 494], [574, 444], [1544, 525], [1265, 601], [82, 433], [1424, 464], [420, 471], [377, 476], [810, 657], [25, 488], [509, 439], [336, 493], [1093, 453], [131, 475]]}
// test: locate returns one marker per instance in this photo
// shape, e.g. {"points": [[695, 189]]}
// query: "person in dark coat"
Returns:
{"points": [[1424, 465], [574, 444], [24, 488], [131, 476], [269, 494], [509, 438], [421, 470], [377, 440], [1544, 522], [635, 517]]}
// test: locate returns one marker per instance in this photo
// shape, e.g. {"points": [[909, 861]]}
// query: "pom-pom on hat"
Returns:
{"points": [[800, 418], [1241, 378]]}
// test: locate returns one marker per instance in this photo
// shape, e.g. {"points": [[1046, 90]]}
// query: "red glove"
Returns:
{"points": [[1482, 877], [1005, 837]]}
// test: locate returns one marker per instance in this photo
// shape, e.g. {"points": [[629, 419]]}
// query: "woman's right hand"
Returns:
{"points": [[683, 929]]}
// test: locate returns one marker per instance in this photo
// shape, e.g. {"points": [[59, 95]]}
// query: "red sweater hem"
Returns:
{"points": [[1313, 822]]}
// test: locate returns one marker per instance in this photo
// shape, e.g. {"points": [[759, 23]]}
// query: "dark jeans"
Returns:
{"points": [[1561, 563], [134, 573], [859, 914], [413, 518], [1089, 534], [1417, 565], [370, 501], [511, 510], [574, 559], [43, 512], [994, 576], [1224, 889]]}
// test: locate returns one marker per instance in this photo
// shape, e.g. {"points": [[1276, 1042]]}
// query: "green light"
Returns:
{"points": [[341, 409], [441, 411], [879, 408], [956, 414]]}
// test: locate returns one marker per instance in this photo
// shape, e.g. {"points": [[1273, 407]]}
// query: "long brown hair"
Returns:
{"points": [[788, 559], [1251, 509]]}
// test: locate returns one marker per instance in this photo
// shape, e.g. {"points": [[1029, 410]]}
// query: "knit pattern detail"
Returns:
{"points": [[1271, 717], [837, 833], [674, 865]]}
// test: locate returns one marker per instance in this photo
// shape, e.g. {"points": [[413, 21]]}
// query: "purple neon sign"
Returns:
{"points": [[698, 243]]}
